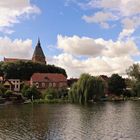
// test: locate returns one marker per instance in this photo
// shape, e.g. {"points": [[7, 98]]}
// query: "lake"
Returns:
{"points": [[99, 121]]}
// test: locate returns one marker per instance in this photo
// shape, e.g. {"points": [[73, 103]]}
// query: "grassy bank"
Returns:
{"points": [[44, 101]]}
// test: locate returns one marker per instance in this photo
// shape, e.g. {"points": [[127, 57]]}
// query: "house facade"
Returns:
{"points": [[12, 84], [48, 80], [16, 83]]}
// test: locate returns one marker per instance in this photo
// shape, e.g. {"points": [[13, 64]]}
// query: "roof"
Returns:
{"points": [[38, 50], [104, 77], [14, 59], [47, 77], [7, 81]]}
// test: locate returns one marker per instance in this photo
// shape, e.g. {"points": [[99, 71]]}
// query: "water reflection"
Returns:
{"points": [[101, 121]]}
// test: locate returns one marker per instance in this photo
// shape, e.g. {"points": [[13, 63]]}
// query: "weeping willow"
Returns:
{"points": [[86, 88]]}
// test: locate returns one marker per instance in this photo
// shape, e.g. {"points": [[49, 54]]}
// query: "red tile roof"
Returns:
{"points": [[45, 77], [14, 59]]}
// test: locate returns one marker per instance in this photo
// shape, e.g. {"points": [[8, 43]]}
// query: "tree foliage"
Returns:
{"points": [[87, 88], [116, 84], [136, 89], [24, 69], [30, 92], [52, 93], [134, 72]]}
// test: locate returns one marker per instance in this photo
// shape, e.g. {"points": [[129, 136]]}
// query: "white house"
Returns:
{"points": [[16, 83]]}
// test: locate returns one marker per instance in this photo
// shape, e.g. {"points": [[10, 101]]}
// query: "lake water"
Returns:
{"points": [[100, 121]]}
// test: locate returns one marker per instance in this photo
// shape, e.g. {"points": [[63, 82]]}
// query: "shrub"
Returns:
{"points": [[8, 93], [51, 94]]}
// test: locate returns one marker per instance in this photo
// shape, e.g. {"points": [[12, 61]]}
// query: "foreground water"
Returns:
{"points": [[100, 121]]}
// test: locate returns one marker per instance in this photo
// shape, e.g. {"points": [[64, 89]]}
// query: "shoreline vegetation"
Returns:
{"points": [[87, 89], [66, 101]]}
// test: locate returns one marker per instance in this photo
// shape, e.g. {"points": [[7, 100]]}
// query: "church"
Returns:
{"points": [[42, 81], [38, 56]]}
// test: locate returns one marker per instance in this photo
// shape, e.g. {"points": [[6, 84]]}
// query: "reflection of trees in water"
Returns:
{"points": [[66, 122]]}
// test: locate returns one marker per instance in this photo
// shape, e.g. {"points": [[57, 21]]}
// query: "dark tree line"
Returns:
{"points": [[24, 69], [116, 85]]}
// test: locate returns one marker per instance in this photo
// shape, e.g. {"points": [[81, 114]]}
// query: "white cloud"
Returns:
{"points": [[125, 11], [111, 57], [101, 18], [17, 48], [119, 48], [11, 11], [85, 46], [122, 7], [126, 33], [79, 46], [95, 66], [131, 23]]}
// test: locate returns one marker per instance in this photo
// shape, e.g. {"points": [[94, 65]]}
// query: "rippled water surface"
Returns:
{"points": [[100, 121]]}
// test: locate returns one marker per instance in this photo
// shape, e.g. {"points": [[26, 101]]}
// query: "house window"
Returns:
{"points": [[50, 84], [54, 84], [43, 85], [37, 85], [60, 84]]}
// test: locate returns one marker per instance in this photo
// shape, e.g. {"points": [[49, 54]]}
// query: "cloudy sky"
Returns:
{"points": [[92, 36]]}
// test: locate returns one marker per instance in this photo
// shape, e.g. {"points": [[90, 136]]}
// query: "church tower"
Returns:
{"points": [[38, 55]]}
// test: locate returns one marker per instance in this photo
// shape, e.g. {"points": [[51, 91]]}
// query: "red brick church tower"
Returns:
{"points": [[38, 55]]}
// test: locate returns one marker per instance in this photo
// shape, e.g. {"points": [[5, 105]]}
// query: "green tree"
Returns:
{"points": [[30, 92], [2, 89], [87, 88], [134, 72], [8, 93], [116, 84], [51, 93], [136, 89], [24, 69]]}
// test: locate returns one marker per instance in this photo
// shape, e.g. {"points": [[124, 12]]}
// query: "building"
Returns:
{"points": [[12, 84], [48, 80], [16, 84], [1, 79], [14, 59], [8, 85], [38, 56]]}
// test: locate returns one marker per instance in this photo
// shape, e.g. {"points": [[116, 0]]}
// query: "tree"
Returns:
{"points": [[134, 72], [30, 92], [2, 88], [136, 89], [86, 88], [116, 84], [8, 93], [24, 69], [50, 94]]}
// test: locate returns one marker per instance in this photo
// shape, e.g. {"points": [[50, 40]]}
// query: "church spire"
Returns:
{"points": [[38, 43], [38, 55]]}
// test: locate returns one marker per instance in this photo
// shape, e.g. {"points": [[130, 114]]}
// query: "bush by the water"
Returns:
{"points": [[52, 93], [30, 92]]}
